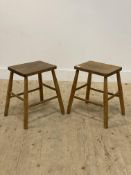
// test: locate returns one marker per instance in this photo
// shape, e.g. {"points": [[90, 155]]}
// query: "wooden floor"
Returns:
{"points": [[73, 144]]}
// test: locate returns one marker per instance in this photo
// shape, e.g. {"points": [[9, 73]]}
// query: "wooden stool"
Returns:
{"points": [[104, 70], [29, 69]]}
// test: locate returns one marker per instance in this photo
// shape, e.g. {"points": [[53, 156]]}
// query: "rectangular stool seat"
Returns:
{"points": [[28, 69], [98, 68]]}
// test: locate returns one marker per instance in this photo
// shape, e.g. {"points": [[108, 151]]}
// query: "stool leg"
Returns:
{"points": [[26, 103], [120, 91], [72, 92], [9, 90], [105, 99], [40, 86], [58, 92], [88, 86]]}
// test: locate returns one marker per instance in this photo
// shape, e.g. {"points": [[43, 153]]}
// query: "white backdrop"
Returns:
{"points": [[65, 33]]}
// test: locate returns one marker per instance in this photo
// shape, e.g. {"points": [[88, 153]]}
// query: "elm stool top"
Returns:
{"points": [[98, 68], [32, 68]]}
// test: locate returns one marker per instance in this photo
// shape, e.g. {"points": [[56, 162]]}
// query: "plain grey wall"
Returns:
{"points": [[65, 32]]}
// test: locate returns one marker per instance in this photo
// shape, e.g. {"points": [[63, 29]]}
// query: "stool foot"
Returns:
{"points": [[8, 94]]}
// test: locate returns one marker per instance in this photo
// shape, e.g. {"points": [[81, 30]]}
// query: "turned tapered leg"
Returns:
{"points": [[40, 86], [58, 92], [88, 87], [105, 99], [72, 92], [120, 93], [26, 103], [9, 91]]}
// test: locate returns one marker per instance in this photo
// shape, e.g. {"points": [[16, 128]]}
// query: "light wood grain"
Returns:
{"points": [[75, 144]]}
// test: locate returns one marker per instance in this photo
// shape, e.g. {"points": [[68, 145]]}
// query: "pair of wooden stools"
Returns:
{"points": [[38, 67]]}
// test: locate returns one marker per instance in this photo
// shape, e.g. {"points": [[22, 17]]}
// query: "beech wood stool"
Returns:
{"points": [[104, 70], [26, 70]]}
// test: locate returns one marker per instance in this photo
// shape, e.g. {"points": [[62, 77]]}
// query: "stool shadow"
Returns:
{"points": [[90, 111]]}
